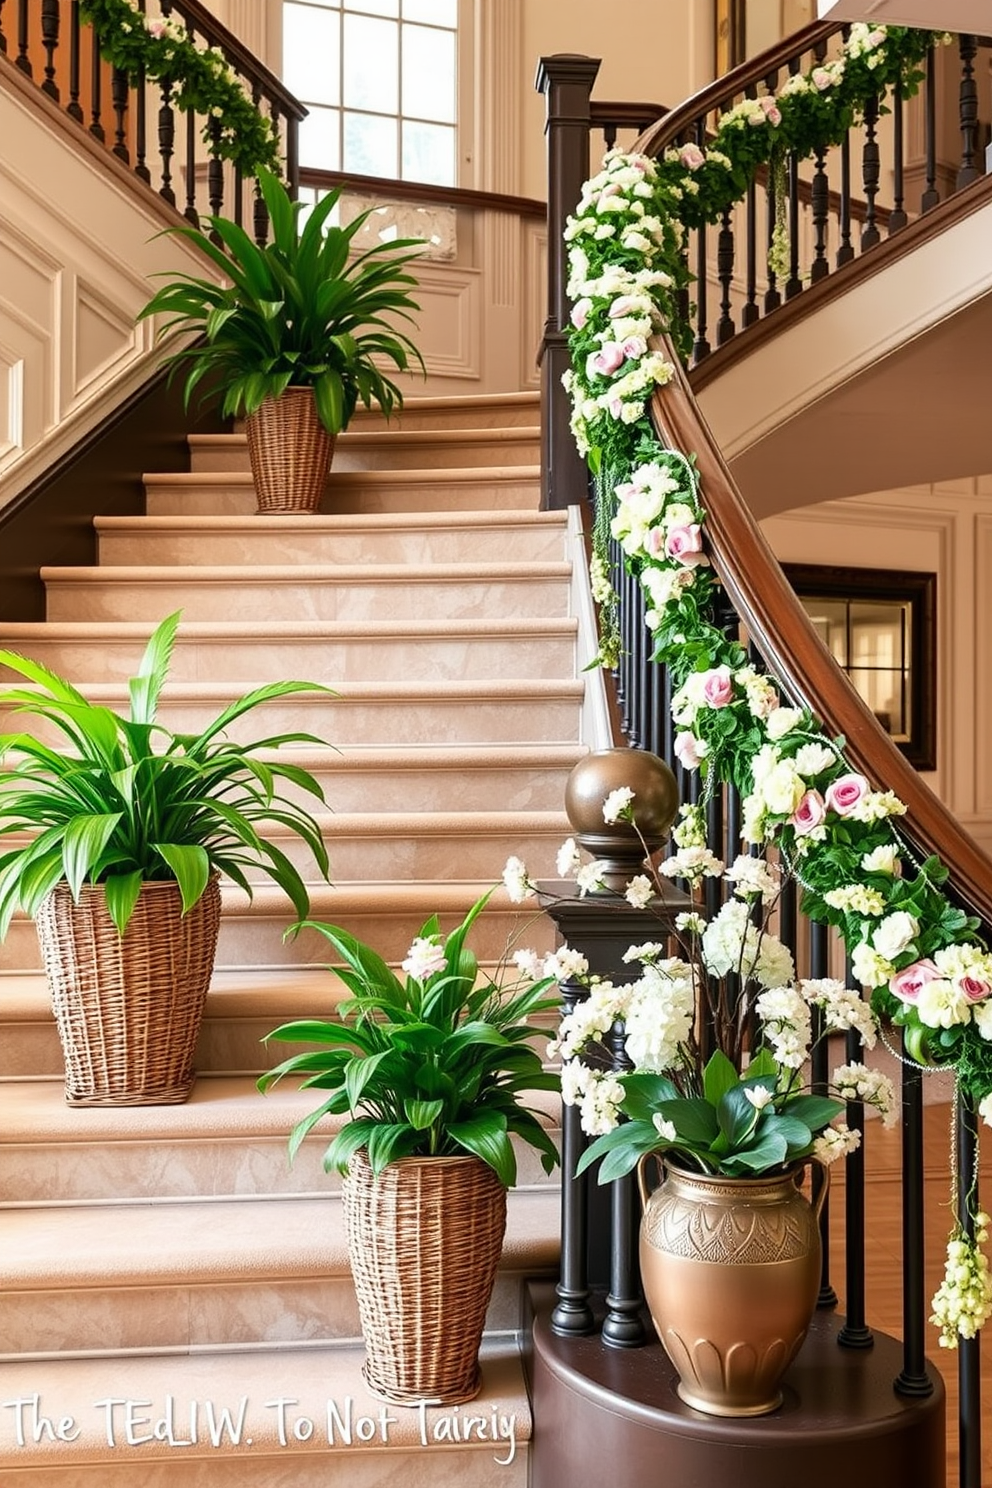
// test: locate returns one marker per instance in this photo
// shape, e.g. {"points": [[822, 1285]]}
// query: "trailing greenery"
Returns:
{"points": [[299, 312], [201, 79], [433, 1066], [124, 800]]}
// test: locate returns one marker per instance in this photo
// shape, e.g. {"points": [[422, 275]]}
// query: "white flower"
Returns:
{"points": [[665, 1129], [856, 1082], [985, 1108], [568, 859], [617, 804], [883, 859], [690, 829], [528, 963], [836, 1141], [753, 876], [942, 1005], [963, 1301], [516, 880], [565, 964], [659, 1018], [759, 1096], [786, 1025], [842, 1008], [693, 863], [981, 1016], [813, 759], [590, 877], [649, 951], [640, 891], [781, 721], [895, 934], [857, 897], [424, 958], [690, 922], [871, 968]]}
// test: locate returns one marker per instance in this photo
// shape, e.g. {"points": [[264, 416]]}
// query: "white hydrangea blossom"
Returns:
{"points": [[659, 1019], [616, 807], [842, 1008], [424, 958], [590, 877], [858, 897], [516, 880], [692, 863], [568, 859], [639, 891], [836, 1141], [856, 1082], [566, 964], [786, 1025], [753, 876]]}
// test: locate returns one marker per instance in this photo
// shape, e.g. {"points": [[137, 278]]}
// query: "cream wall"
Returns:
{"points": [[947, 530]]}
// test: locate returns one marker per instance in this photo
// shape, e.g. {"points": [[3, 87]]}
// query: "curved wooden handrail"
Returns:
{"points": [[219, 35], [781, 630], [419, 191]]}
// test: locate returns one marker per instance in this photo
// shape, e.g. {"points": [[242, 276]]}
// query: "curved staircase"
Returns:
{"points": [[176, 1303]]}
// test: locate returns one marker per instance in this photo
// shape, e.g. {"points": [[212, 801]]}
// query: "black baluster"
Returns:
{"points": [[50, 39], [190, 213], [622, 1326], [870, 172], [701, 346], [845, 250], [855, 1334], [572, 1316], [968, 106], [897, 217], [772, 296], [609, 135], [931, 195], [751, 313], [215, 177], [166, 143], [96, 88], [118, 85], [141, 132], [3, 39], [260, 219], [23, 61], [969, 1355], [820, 1073], [913, 1380], [794, 283], [74, 108], [820, 204], [725, 270]]}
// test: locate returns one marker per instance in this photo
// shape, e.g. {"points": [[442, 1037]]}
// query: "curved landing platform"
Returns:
{"points": [[612, 1417]]}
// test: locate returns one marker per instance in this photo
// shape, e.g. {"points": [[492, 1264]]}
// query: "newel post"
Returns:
{"points": [[566, 81]]}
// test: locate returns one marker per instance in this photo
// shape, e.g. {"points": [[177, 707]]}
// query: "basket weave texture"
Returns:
{"points": [[128, 1009], [290, 452], [425, 1239]]}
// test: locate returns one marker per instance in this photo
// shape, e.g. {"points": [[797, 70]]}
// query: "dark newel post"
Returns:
{"points": [[566, 81], [969, 1355], [855, 1333], [573, 1317], [622, 1326], [913, 1379]]}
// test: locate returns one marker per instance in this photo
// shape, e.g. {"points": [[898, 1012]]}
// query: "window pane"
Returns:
{"points": [[310, 53], [883, 692], [429, 73], [829, 617], [371, 71], [432, 12], [370, 145], [374, 7], [878, 637], [429, 154], [319, 139]]}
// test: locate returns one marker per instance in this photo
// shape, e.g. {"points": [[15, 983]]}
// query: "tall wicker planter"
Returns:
{"points": [[128, 1008], [290, 453], [425, 1239]]}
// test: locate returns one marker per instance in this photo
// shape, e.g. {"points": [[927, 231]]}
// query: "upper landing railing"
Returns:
{"points": [[181, 154]]}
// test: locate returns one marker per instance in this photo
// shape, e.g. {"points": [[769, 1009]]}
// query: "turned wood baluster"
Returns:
{"points": [[50, 39], [820, 199], [215, 177], [141, 132], [23, 61], [913, 1379], [931, 196], [751, 312], [968, 107], [96, 89], [74, 108], [3, 39], [725, 270], [572, 1316], [773, 297], [897, 217], [794, 283], [166, 143], [701, 346], [118, 84], [622, 1326], [870, 170], [855, 1333], [190, 212], [845, 249]]}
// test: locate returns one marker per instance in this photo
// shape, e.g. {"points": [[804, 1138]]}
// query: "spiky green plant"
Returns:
{"points": [[126, 800], [433, 1066], [299, 312]]}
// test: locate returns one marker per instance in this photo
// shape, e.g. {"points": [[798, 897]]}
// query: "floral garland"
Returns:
{"points": [[912, 950], [160, 49]]}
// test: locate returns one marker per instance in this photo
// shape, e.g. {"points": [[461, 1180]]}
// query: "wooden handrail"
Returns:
{"points": [[419, 191], [780, 628], [217, 34]]}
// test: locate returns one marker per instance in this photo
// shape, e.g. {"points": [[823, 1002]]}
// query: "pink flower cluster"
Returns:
{"points": [[909, 983], [843, 796]]}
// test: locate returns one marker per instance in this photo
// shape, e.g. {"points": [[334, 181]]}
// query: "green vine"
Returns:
{"points": [[158, 48]]}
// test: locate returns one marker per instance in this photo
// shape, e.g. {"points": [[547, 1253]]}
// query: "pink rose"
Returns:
{"points": [[821, 78], [156, 28], [605, 361], [580, 313], [692, 157], [976, 989], [611, 190], [808, 814], [624, 305], [688, 750], [685, 545], [655, 542], [845, 793], [634, 346], [772, 113], [908, 983], [718, 688]]}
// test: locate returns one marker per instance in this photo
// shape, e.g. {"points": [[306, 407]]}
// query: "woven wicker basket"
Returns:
{"points": [[290, 452], [425, 1239], [128, 1009]]}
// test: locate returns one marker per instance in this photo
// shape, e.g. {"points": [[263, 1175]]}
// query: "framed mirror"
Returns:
{"points": [[879, 625]]}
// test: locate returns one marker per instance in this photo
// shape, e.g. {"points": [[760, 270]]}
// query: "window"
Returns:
{"points": [[879, 627], [380, 80]]}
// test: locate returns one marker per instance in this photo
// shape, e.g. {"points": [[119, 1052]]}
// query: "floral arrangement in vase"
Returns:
{"points": [[915, 953]]}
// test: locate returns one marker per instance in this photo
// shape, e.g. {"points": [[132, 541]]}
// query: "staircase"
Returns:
{"points": [[175, 1302]]}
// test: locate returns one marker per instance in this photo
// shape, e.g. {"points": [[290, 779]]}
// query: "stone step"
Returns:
{"points": [[469, 411], [398, 537], [385, 915], [222, 1425], [201, 1273], [496, 487], [500, 712], [345, 592], [331, 652], [226, 1140], [390, 448]]}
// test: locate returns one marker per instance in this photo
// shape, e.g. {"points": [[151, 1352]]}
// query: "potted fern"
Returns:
{"points": [[430, 1073], [128, 827], [296, 339]]}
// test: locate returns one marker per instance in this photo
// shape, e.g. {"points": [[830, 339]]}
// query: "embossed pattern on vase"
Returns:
{"points": [[731, 1272]]}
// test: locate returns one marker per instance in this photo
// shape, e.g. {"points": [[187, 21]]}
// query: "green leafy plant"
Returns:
{"points": [[299, 312], [125, 800], [433, 1066]]}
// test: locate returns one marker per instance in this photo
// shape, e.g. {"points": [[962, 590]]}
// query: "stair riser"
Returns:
{"points": [[329, 660], [349, 598], [351, 493], [504, 410], [369, 452], [272, 543], [434, 790]]}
